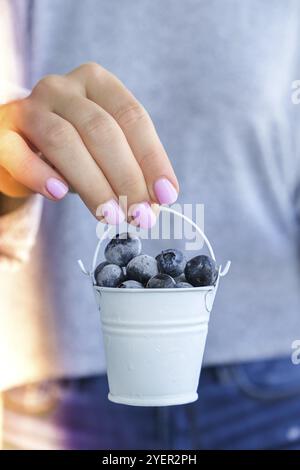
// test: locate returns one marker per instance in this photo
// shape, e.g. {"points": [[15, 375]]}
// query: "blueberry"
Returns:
{"points": [[100, 267], [110, 275], [183, 285], [201, 271], [131, 285], [122, 248], [141, 268], [160, 281], [180, 278], [171, 262]]}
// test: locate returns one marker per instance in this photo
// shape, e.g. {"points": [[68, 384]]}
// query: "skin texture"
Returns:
{"points": [[85, 123]]}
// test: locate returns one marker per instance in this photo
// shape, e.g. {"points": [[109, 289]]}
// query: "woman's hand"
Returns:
{"points": [[94, 136]]}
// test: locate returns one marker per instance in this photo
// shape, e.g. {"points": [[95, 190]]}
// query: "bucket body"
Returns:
{"points": [[154, 342]]}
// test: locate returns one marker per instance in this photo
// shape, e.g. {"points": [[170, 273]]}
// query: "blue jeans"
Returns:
{"points": [[252, 405]]}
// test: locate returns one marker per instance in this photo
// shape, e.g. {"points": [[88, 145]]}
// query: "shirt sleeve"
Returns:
{"points": [[18, 229]]}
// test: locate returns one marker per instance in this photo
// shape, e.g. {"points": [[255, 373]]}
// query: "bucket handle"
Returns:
{"points": [[222, 272]]}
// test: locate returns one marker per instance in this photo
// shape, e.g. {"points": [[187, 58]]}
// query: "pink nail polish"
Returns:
{"points": [[56, 188], [112, 212], [144, 215], [165, 191]]}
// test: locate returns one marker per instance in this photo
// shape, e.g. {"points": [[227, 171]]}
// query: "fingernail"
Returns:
{"points": [[56, 188], [165, 191], [112, 212], [143, 215]]}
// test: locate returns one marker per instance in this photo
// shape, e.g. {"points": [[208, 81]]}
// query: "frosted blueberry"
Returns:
{"points": [[131, 285], [160, 281], [110, 275], [180, 278], [171, 262], [201, 271], [100, 267], [141, 268], [183, 285], [122, 248]]}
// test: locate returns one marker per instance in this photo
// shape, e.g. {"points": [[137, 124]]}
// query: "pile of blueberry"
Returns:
{"points": [[126, 267]]}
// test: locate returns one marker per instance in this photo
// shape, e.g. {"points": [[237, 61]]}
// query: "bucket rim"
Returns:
{"points": [[149, 290]]}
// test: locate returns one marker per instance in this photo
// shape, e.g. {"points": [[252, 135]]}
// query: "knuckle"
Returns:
{"points": [[109, 132], [131, 185], [8, 113], [47, 84], [20, 113], [97, 125], [130, 114], [148, 159], [22, 106], [59, 135], [92, 69], [21, 110]]}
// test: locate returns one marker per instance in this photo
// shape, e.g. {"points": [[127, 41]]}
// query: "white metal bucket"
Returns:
{"points": [[154, 339]]}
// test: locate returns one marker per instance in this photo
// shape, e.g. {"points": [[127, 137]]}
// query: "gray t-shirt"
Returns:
{"points": [[216, 78]]}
